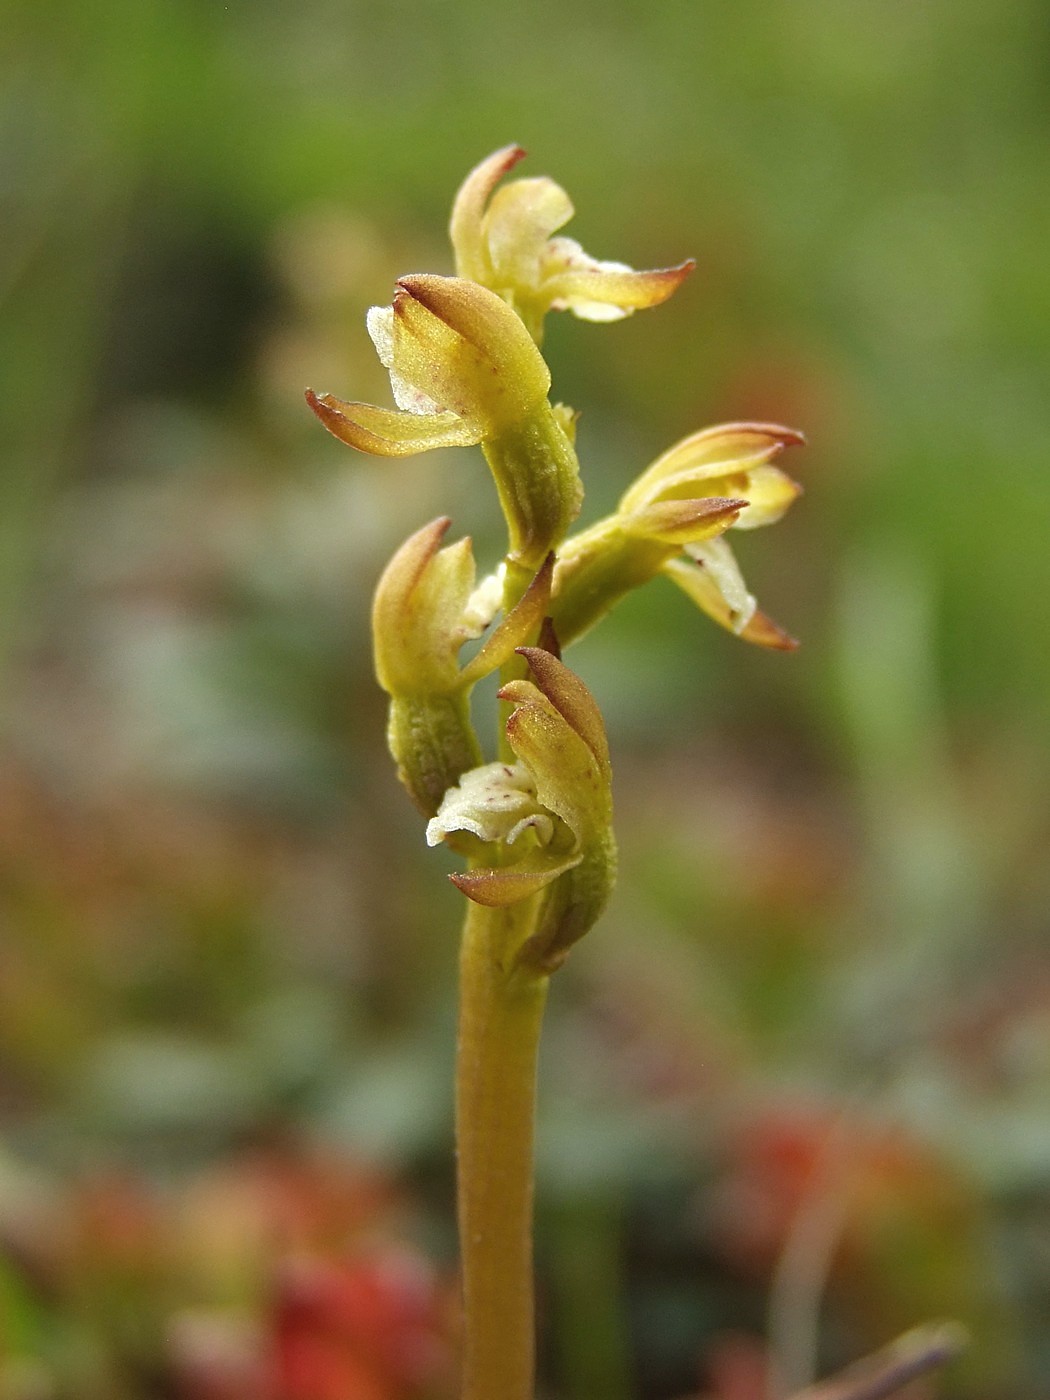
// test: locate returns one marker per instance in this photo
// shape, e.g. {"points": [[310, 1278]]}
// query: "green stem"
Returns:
{"points": [[501, 1011]]}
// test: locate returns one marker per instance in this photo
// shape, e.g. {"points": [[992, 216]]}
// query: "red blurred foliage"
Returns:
{"points": [[785, 1158], [372, 1328]]}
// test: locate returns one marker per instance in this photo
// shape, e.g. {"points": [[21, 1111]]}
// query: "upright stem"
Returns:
{"points": [[499, 1028]]}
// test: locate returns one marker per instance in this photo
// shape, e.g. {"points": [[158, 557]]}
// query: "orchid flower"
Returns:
{"points": [[682, 504], [549, 816], [464, 371], [427, 605], [503, 239]]}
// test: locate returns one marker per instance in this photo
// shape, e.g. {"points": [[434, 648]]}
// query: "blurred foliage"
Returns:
{"points": [[797, 1084]]}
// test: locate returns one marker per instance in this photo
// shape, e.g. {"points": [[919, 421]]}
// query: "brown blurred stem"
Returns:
{"points": [[886, 1371], [500, 1015]]}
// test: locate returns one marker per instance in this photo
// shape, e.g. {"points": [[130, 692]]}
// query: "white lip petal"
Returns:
{"points": [[380, 324], [720, 563], [496, 802], [591, 310], [484, 603]]}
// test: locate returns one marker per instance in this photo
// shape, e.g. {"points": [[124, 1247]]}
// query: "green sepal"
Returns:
{"points": [[522, 623], [574, 904], [417, 614], [498, 886], [556, 731]]}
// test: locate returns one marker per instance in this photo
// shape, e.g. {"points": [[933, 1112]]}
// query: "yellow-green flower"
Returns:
{"points": [[465, 371], [544, 823], [427, 605], [672, 521], [462, 369], [503, 238]]}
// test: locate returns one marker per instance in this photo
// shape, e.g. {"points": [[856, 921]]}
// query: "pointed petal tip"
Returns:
{"points": [[570, 697], [508, 156], [786, 437], [324, 407], [687, 520], [764, 632], [548, 638], [317, 403]]}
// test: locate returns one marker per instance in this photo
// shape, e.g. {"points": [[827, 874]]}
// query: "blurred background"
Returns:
{"points": [[796, 1087]]}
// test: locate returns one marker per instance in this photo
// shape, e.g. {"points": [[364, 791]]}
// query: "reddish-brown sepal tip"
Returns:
{"points": [[764, 632], [333, 420], [787, 437]]}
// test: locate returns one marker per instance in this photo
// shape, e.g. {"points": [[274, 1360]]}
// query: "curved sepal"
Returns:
{"points": [[499, 886], [698, 583], [418, 613], [468, 210], [730, 451], [464, 348], [570, 697], [570, 780], [684, 522], [390, 432], [594, 290], [503, 238], [522, 623]]}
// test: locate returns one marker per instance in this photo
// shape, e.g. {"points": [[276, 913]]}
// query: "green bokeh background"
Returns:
{"points": [[219, 924]]}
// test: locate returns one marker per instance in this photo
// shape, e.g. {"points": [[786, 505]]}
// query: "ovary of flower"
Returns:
{"points": [[496, 803], [503, 239]]}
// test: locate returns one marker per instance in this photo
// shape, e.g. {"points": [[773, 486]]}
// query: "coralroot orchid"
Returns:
{"points": [[534, 820]]}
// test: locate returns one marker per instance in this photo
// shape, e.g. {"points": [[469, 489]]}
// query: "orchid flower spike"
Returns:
{"points": [[503, 239]]}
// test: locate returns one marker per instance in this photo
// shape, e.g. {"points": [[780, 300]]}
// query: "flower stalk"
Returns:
{"points": [[534, 822], [500, 1016]]}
